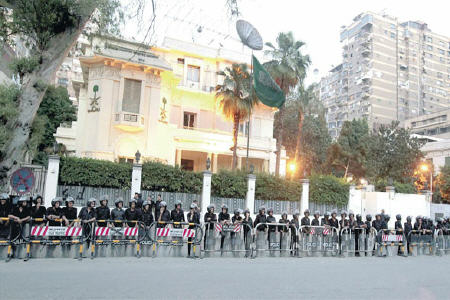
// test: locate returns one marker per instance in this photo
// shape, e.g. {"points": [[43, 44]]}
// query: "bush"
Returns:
{"points": [[328, 189], [404, 188], [229, 184], [160, 177], [94, 172], [269, 187]]}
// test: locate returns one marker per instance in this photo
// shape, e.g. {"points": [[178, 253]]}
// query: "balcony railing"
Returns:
{"points": [[129, 121]]}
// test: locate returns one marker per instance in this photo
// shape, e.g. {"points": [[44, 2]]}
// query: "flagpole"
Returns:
{"points": [[250, 114]]}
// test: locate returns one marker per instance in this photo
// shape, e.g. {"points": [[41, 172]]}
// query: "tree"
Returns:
{"points": [[443, 183], [236, 99], [49, 29], [349, 153], [288, 67], [56, 108], [393, 153]]}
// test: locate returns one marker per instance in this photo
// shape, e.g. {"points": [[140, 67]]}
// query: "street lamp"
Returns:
{"points": [[137, 156], [208, 163], [424, 168], [292, 167], [349, 178]]}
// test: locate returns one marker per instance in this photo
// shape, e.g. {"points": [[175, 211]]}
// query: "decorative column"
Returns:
{"points": [[250, 198], [304, 203], [390, 190], [136, 178], [178, 157], [206, 191], [215, 167], [51, 179]]}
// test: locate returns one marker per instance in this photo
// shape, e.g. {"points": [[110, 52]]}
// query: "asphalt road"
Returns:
{"points": [[227, 278]]}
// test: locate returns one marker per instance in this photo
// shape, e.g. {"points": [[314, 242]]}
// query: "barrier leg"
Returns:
{"points": [[9, 255], [28, 255]]}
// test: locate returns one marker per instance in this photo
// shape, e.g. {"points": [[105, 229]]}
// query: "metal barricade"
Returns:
{"points": [[172, 236], [318, 241], [278, 239], [9, 237], [117, 235], [44, 236], [421, 242], [357, 241], [442, 240], [234, 239], [391, 242]]}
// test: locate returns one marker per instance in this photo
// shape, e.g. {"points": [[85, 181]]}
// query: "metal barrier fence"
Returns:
{"points": [[236, 239], [117, 233], [421, 242], [442, 241], [315, 240], [357, 241], [391, 242], [278, 239], [173, 235]]}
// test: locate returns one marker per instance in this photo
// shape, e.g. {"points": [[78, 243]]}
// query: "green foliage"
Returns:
{"points": [[56, 108], [328, 189], [8, 114], [393, 153], [94, 172], [160, 177], [443, 183], [24, 65], [404, 188], [348, 154], [229, 184], [270, 187]]}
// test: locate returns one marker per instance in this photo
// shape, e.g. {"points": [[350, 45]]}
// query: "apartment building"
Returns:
{"points": [[391, 70], [161, 101]]}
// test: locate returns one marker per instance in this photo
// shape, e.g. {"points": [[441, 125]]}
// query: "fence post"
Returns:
{"points": [[136, 178], [391, 192], [250, 198], [206, 191], [51, 179], [304, 203]]}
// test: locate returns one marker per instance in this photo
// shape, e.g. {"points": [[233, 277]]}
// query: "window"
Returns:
{"points": [[429, 39], [392, 35], [123, 160], [392, 26], [187, 164], [180, 61], [189, 119], [131, 96], [429, 48], [63, 81], [193, 73], [243, 128], [441, 51]]}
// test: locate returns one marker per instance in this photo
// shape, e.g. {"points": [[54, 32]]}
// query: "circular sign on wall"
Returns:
{"points": [[22, 181]]}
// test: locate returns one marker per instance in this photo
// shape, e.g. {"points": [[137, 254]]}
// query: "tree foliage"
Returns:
{"points": [[443, 183], [8, 113], [269, 187], [328, 189]]}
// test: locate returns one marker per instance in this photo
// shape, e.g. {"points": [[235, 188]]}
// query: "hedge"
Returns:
{"points": [[94, 172], [328, 189], [229, 184], [269, 187], [404, 188]]}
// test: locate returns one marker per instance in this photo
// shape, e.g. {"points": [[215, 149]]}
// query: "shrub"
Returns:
{"points": [[328, 189], [229, 184], [270, 187]]}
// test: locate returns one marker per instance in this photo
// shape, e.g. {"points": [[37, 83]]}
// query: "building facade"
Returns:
{"points": [[390, 71], [162, 103], [434, 124]]}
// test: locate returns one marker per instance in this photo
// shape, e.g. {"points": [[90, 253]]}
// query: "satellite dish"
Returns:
{"points": [[249, 35]]}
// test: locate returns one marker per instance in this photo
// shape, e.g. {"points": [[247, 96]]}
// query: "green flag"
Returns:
{"points": [[266, 88]]}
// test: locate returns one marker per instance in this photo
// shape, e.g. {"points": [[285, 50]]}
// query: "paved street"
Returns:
{"points": [[220, 278]]}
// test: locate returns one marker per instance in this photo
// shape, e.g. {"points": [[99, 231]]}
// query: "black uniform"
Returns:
{"points": [[103, 213], [208, 219], [315, 222], [334, 223], [38, 213], [271, 219], [55, 212], [165, 217], [282, 228], [4, 212], [368, 226], [377, 224], [223, 217], [260, 218], [343, 223], [324, 221], [147, 217], [305, 221], [86, 214], [70, 213], [119, 215], [132, 215], [177, 216], [157, 209], [192, 217]]}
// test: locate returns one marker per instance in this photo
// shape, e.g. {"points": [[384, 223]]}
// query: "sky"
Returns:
{"points": [[317, 23]]}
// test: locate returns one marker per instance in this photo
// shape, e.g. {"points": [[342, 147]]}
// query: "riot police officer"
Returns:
{"points": [[418, 225], [69, 213], [54, 213], [351, 220], [118, 213], [177, 214], [102, 212], [385, 223], [192, 217], [224, 220], [305, 220], [5, 210], [360, 228], [333, 222], [147, 214], [132, 214], [209, 218], [295, 224], [325, 220], [270, 219], [158, 206], [343, 222], [315, 221], [237, 218], [261, 219], [368, 223], [164, 215], [399, 230], [20, 215], [284, 220], [377, 224], [247, 223], [38, 211], [88, 214]]}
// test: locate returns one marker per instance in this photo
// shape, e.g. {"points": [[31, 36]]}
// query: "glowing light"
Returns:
{"points": [[292, 167], [363, 181], [424, 168]]}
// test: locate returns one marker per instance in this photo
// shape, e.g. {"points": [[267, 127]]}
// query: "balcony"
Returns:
{"points": [[129, 122]]}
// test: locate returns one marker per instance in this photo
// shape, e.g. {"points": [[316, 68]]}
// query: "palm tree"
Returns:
{"points": [[236, 99], [288, 68]]}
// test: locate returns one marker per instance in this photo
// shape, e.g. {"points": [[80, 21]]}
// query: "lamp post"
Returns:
{"points": [[137, 156], [424, 168]]}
